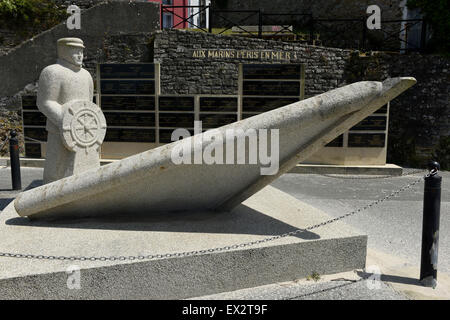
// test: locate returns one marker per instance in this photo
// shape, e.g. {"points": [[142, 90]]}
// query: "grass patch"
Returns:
{"points": [[314, 277]]}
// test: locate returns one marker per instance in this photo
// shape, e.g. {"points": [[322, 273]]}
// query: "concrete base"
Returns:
{"points": [[388, 169], [39, 163], [329, 249]]}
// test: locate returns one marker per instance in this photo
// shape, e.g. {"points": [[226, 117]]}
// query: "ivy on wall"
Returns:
{"points": [[415, 118], [402, 144], [437, 13], [442, 152]]}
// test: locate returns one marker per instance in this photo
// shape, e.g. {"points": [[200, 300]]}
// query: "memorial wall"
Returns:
{"points": [[127, 97], [139, 117], [263, 87], [418, 124]]}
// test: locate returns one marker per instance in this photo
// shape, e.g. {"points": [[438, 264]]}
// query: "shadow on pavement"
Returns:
{"points": [[243, 221], [391, 278], [32, 185], [9, 194], [4, 202]]}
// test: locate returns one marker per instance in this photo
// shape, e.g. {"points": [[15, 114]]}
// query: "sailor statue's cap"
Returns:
{"points": [[73, 42]]}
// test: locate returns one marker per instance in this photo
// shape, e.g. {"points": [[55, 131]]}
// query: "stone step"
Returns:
{"points": [[329, 249], [388, 169]]}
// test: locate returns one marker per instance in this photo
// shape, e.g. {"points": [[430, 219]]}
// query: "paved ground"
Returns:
{"points": [[394, 230], [342, 286], [393, 227]]}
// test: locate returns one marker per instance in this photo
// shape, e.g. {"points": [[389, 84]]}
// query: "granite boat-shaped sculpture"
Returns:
{"points": [[151, 182]]}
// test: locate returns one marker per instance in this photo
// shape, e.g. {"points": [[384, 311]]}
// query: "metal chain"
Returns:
{"points": [[26, 138], [432, 172], [212, 250], [372, 177], [34, 140]]}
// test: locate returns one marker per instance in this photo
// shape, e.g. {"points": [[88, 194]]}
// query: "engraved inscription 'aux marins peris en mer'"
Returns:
{"points": [[243, 54]]}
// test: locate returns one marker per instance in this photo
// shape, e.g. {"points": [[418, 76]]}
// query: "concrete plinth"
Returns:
{"points": [[330, 249], [387, 169]]}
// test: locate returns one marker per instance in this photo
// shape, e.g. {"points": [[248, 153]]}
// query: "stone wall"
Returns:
{"points": [[419, 120], [12, 37], [419, 125], [183, 74], [22, 66], [8, 40]]}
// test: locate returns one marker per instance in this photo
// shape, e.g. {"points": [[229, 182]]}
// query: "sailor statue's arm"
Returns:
{"points": [[47, 96]]}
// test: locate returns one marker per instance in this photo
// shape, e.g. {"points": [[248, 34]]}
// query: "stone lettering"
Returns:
{"points": [[244, 54]]}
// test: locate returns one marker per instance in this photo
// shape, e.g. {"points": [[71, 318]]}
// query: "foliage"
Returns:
{"points": [[314, 276], [361, 67], [437, 13], [442, 153], [9, 120], [403, 146], [29, 17]]}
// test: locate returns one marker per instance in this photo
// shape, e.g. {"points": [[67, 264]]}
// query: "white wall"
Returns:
{"points": [[196, 18]]}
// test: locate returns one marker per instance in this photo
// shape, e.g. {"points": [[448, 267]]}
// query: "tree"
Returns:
{"points": [[437, 14], [30, 16]]}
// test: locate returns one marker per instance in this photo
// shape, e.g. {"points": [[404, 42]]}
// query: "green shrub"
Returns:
{"points": [[29, 17], [442, 153]]}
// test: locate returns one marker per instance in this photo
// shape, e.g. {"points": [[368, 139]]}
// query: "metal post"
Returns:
{"points": [[202, 13], [161, 16], [260, 22], [364, 34], [430, 226], [311, 31], [15, 162], [423, 36], [210, 26]]}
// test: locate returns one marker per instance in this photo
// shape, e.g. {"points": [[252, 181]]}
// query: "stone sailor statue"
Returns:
{"points": [[76, 126]]}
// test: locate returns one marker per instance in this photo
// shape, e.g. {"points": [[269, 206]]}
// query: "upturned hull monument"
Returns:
{"points": [[215, 170], [171, 200]]}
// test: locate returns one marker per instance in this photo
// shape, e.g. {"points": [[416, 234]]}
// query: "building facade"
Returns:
{"points": [[183, 14]]}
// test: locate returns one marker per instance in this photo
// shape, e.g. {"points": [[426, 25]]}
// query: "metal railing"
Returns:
{"points": [[394, 35]]}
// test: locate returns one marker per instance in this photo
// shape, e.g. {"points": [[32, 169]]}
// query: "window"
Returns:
{"points": [[167, 20]]}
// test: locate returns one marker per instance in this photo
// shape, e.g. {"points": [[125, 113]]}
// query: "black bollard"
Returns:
{"points": [[15, 161], [430, 226]]}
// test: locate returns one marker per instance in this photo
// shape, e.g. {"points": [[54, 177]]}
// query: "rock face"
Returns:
{"points": [[152, 181]]}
